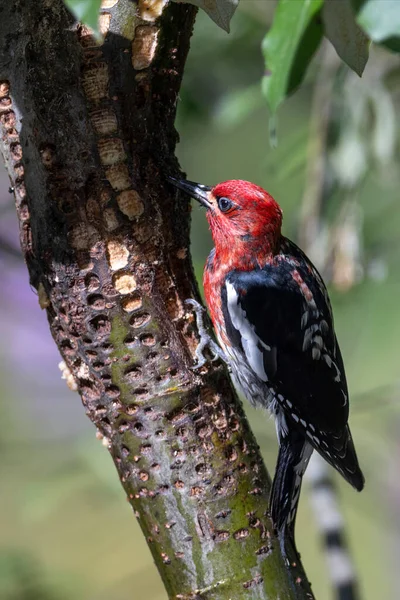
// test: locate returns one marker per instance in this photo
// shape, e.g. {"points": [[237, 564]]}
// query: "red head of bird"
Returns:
{"points": [[240, 213]]}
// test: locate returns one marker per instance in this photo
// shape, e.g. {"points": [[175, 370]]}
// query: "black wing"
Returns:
{"points": [[280, 318]]}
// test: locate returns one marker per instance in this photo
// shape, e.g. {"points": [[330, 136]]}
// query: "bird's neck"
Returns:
{"points": [[244, 253]]}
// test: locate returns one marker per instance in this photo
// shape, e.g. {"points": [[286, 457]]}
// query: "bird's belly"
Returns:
{"points": [[256, 391]]}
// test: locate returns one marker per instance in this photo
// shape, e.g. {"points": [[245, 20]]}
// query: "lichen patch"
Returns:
{"points": [[44, 300], [83, 371], [67, 375]]}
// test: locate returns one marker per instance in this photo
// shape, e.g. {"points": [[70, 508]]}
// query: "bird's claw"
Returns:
{"points": [[206, 341]]}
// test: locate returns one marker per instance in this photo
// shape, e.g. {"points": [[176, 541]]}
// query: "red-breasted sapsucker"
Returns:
{"points": [[273, 320]]}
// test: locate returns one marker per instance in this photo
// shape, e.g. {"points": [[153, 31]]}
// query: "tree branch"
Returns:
{"points": [[87, 135]]}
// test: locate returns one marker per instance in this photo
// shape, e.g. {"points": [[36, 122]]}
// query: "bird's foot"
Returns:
{"points": [[206, 341]]}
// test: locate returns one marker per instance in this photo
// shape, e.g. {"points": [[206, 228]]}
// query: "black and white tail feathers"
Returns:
{"points": [[293, 457]]}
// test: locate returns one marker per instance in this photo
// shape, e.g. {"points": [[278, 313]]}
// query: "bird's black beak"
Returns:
{"points": [[195, 190]]}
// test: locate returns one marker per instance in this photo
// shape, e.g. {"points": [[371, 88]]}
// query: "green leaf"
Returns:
{"points": [[380, 19], [288, 47], [220, 11], [86, 11], [348, 39]]}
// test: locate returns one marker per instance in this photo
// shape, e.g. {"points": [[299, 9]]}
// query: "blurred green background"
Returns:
{"points": [[67, 531]]}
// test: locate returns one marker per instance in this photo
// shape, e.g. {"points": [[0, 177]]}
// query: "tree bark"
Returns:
{"points": [[87, 136]]}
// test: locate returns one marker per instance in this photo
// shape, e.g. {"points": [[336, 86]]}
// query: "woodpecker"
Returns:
{"points": [[273, 319]]}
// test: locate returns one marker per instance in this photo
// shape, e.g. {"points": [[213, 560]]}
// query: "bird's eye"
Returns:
{"points": [[224, 204]]}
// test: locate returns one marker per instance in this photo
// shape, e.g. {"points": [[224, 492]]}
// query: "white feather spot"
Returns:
{"points": [[318, 341], [331, 363], [324, 327], [316, 353], [304, 319], [349, 470], [312, 304], [307, 339]]}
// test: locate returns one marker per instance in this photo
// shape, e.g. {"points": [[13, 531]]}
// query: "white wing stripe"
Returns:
{"points": [[250, 341]]}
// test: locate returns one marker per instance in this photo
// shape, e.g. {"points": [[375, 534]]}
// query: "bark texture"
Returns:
{"points": [[87, 135]]}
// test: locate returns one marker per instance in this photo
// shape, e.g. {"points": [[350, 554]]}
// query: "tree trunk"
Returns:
{"points": [[87, 136]]}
